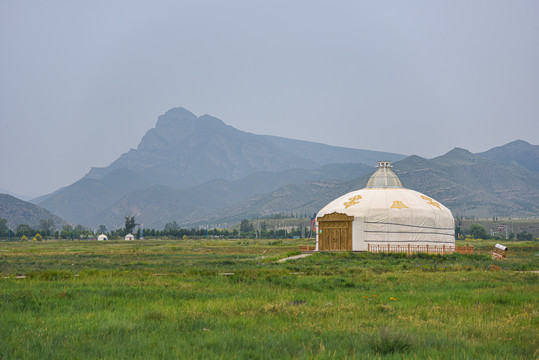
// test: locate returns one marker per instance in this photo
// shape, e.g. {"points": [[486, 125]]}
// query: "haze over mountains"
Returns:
{"points": [[17, 211], [198, 170], [466, 183], [184, 151]]}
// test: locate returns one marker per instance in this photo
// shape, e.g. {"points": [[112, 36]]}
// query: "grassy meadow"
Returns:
{"points": [[230, 299]]}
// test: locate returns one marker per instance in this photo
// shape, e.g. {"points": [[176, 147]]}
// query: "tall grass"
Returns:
{"points": [[221, 299]]}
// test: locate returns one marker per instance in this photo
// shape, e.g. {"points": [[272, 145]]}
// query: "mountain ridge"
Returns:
{"points": [[193, 203], [200, 168], [183, 150], [18, 211], [516, 152], [444, 178]]}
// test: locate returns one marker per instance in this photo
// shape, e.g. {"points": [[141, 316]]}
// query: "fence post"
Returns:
{"points": [[427, 249], [368, 247], [408, 249], [388, 248], [443, 249]]}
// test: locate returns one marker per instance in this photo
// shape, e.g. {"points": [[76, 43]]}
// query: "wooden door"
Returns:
{"points": [[335, 232]]}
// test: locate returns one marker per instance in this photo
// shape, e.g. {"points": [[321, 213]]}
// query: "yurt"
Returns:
{"points": [[102, 237], [129, 237], [385, 216]]}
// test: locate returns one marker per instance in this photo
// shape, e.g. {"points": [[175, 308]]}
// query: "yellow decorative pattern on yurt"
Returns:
{"points": [[398, 205], [430, 201], [353, 201]]}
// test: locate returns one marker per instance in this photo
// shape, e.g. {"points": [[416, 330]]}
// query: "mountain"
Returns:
{"points": [[86, 197], [517, 152], [184, 151], [195, 170], [466, 183], [19, 196], [472, 185], [158, 204], [326, 154], [17, 212]]}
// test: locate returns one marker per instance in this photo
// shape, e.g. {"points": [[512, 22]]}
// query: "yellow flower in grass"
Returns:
{"points": [[392, 298]]}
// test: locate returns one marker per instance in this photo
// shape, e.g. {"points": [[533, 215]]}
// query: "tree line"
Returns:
{"points": [[47, 230], [478, 231]]}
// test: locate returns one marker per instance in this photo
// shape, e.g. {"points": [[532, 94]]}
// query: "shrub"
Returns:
{"points": [[524, 236], [478, 231], [391, 341]]}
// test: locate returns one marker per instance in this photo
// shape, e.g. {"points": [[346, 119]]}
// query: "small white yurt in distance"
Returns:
{"points": [[129, 237], [385, 215], [102, 237]]}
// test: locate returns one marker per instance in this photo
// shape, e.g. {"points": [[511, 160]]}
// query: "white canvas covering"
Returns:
{"points": [[102, 237], [393, 215], [129, 237]]}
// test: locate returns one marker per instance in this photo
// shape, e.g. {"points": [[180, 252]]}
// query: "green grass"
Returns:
{"points": [[177, 299]]}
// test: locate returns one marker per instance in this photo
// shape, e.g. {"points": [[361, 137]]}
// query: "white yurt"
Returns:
{"points": [[102, 237], [385, 216], [129, 237]]}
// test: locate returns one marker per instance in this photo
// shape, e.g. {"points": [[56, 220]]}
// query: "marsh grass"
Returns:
{"points": [[224, 299]]}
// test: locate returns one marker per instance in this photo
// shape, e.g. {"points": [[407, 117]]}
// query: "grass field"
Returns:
{"points": [[230, 299]]}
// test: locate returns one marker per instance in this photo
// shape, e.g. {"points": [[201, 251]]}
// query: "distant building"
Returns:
{"points": [[385, 216], [102, 237], [129, 237]]}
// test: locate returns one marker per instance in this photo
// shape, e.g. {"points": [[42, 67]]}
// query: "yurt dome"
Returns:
{"points": [[384, 215], [102, 237]]}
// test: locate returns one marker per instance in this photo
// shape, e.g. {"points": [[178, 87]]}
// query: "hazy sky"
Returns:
{"points": [[81, 82]]}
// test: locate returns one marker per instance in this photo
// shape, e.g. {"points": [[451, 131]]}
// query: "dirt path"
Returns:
{"points": [[294, 257]]}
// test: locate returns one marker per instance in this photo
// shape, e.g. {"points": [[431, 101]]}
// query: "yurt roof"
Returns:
{"points": [[402, 206], [384, 177], [385, 200]]}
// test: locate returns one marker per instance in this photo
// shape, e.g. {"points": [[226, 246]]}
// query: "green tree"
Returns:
{"points": [[3, 227], [46, 226], [102, 229], [81, 231], [478, 231], [244, 226], [172, 227], [67, 232], [24, 229], [130, 224]]}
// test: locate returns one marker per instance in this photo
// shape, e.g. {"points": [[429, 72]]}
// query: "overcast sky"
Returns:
{"points": [[81, 82]]}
